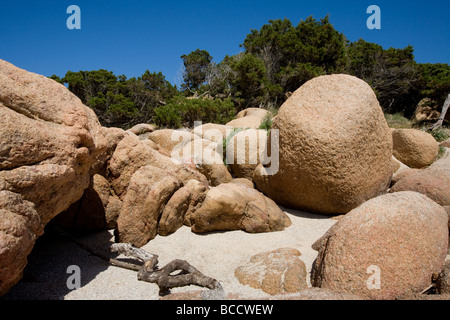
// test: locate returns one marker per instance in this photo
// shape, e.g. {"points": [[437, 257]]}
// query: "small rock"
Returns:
{"points": [[415, 148], [277, 272]]}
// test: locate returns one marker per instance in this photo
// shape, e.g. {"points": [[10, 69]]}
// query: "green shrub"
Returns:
{"points": [[440, 134], [441, 153], [183, 112], [168, 116]]}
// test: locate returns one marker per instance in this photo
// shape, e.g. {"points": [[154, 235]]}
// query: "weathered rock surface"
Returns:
{"points": [[277, 272], [428, 110], [415, 148], [207, 157], [245, 182], [213, 132], [170, 139], [20, 226], [245, 151], [447, 209], [190, 149], [49, 141], [142, 128], [236, 207], [148, 192], [113, 136], [181, 205], [253, 112], [131, 154], [98, 208], [401, 237], [331, 130], [248, 122], [433, 181], [445, 144]]}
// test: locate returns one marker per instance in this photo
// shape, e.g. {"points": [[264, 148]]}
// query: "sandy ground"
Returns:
{"points": [[216, 255]]}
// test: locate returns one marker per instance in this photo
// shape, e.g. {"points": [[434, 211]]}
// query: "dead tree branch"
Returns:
{"points": [[164, 277], [187, 276], [440, 122]]}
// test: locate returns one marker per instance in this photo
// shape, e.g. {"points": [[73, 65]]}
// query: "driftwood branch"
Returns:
{"points": [[149, 272], [440, 122], [140, 254], [164, 277], [187, 276]]}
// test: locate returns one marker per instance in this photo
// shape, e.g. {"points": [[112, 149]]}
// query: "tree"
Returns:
{"points": [[294, 55], [118, 101], [392, 73], [435, 80], [196, 65], [250, 78], [87, 84], [148, 92], [56, 78]]}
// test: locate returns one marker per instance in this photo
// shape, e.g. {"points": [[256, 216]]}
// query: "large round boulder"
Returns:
{"points": [[388, 247], [415, 148], [335, 147], [49, 141], [434, 181]]}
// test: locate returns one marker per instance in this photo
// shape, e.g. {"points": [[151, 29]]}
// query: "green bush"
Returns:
{"points": [[168, 116], [183, 112], [439, 134], [441, 153]]}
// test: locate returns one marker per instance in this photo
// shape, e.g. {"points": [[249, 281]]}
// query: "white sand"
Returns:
{"points": [[217, 255]]}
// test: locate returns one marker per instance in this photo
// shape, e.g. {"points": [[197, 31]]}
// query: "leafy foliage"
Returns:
{"points": [[294, 55], [196, 65], [278, 59], [392, 73], [435, 81], [184, 112], [117, 101]]}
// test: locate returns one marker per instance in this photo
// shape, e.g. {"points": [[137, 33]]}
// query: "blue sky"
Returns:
{"points": [[128, 37]]}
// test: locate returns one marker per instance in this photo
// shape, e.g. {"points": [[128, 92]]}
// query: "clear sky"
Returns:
{"points": [[128, 37]]}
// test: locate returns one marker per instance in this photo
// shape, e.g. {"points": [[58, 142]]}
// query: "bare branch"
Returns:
{"points": [[440, 122], [164, 277]]}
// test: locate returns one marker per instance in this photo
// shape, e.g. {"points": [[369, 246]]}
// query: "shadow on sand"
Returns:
{"points": [[45, 276]]}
